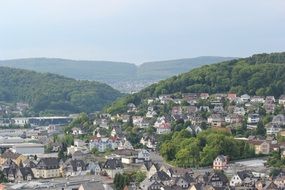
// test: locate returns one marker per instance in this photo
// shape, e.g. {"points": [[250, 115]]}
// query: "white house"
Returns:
{"points": [[282, 100], [76, 131], [144, 155], [220, 163], [273, 129], [163, 128], [239, 111], [257, 99], [241, 178], [245, 97], [253, 118]]}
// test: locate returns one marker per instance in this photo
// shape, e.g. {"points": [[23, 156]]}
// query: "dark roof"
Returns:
{"points": [[30, 163], [77, 163], [160, 176], [244, 174], [148, 164], [176, 180], [10, 171], [217, 176], [48, 163], [113, 164]]}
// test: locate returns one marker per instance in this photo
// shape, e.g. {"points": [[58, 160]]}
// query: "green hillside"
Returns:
{"points": [[262, 74], [54, 93], [110, 72], [82, 70]]}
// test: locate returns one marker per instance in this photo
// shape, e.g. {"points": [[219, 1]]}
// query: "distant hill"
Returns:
{"points": [[164, 69], [54, 93], [262, 74], [82, 70], [116, 74]]}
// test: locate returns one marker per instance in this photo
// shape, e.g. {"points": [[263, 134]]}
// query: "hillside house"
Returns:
{"points": [[220, 163], [260, 146], [112, 167], [216, 120], [253, 118], [281, 100], [245, 98]]}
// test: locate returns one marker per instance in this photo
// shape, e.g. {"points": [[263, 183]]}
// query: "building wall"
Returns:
{"points": [[44, 173]]}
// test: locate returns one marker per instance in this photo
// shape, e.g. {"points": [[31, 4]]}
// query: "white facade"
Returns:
{"points": [[235, 181]]}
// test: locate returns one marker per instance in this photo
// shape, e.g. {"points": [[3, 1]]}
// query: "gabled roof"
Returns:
{"points": [[218, 176], [148, 164], [244, 174], [48, 163], [113, 164], [10, 154], [270, 186], [222, 158], [161, 176], [76, 163]]}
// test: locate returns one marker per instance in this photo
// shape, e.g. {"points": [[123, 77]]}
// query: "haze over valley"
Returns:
{"points": [[126, 77]]}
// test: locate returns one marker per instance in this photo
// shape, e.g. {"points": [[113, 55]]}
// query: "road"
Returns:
{"points": [[59, 183]]}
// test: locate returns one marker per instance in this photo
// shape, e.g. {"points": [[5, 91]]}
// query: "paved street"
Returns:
{"points": [[59, 183]]}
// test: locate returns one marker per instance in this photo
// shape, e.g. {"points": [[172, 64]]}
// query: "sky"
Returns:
{"points": [[137, 31]]}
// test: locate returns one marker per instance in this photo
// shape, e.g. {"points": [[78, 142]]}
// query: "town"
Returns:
{"points": [[97, 150]]}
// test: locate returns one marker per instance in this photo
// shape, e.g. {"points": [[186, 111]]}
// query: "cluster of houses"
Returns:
{"points": [[18, 168], [218, 110], [221, 110], [162, 177]]}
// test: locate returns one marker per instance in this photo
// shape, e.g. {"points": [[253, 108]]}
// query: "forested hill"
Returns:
{"points": [[164, 69], [262, 74], [108, 71], [54, 93]]}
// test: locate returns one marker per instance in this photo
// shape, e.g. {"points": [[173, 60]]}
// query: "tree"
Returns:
{"points": [[139, 176], [120, 181], [3, 179], [94, 151], [260, 130]]}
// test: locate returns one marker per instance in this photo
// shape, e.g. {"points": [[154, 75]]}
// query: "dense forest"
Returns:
{"points": [[183, 150], [262, 74], [54, 93]]}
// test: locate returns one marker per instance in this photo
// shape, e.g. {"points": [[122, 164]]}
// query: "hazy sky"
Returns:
{"points": [[140, 30]]}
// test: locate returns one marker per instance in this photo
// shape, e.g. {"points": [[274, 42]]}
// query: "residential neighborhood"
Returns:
{"points": [[101, 147]]}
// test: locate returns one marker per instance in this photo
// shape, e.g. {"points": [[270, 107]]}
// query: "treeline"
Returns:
{"points": [[184, 150], [262, 74], [54, 93]]}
